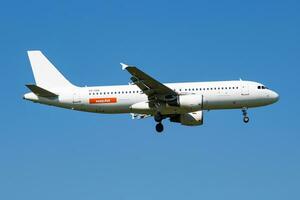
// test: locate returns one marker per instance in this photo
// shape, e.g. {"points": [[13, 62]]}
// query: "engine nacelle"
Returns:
{"points": [[189, 119], [188, 101]]}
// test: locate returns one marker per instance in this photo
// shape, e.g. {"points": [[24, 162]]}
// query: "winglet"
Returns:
{"points": [[124, 66]]}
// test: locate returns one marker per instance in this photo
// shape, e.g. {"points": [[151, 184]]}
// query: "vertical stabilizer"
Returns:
{"points": [[45, 74]]}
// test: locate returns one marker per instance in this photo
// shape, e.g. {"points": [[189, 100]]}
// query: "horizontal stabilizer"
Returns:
{"points": [[40, 91]]}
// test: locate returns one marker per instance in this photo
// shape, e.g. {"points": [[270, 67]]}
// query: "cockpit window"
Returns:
{"points": [[262, 87]]}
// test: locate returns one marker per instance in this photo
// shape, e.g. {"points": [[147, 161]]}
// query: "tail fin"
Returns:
{"points": [[45, 74]]}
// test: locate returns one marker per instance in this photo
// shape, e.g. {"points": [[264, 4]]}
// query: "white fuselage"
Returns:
{"points": [[130, 99], [182, 103]]}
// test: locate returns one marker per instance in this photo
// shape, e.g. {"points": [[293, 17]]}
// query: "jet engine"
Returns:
{"points": [[187, 101], [189, 119]]}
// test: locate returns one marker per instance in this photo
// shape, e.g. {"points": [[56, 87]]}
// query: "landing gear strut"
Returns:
{"points": [[159, 126], [245, 114], [158, 117]]}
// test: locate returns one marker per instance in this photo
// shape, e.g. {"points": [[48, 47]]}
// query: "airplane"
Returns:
{"points": [[145, 96]]}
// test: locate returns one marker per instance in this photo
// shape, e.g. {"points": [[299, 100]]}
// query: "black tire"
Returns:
{"points": [[159, 127], [246, 119]]}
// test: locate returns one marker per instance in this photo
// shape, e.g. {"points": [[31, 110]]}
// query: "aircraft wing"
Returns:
{"points": [[155, 90]]}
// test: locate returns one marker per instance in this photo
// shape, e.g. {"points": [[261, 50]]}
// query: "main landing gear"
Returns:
{"points": [[159, 126], [245, 114]]}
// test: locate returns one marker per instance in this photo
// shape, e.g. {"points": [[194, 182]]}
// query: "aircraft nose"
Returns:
{"points": [[274, 96]]}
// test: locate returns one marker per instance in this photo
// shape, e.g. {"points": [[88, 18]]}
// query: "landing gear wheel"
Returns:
{"points": [[158, 117], [159, 127], [245, 114], [246, 119]]}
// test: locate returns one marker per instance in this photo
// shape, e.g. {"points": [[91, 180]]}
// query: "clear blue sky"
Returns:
{"points": [[51, 153]]}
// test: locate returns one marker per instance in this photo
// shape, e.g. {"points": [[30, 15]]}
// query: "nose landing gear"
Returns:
{"points": [[245, 114]]}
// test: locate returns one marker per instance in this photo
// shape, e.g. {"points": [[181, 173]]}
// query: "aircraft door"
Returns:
{"points": [[77, 101]]}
